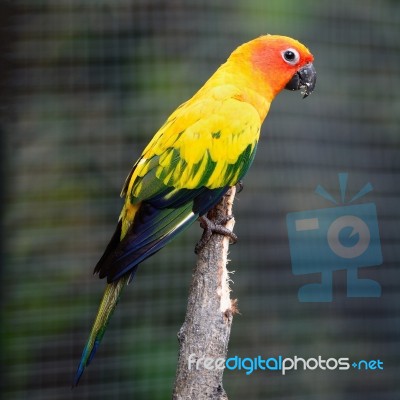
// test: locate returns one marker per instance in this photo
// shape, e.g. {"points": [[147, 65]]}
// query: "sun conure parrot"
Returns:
{"points": [[206, 146]]}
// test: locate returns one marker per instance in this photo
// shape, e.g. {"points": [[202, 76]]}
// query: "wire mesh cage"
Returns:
{"points": [[88, 84]]}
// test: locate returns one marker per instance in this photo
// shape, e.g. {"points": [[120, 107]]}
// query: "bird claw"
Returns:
{"points": [[211, 227], [239, 186]]}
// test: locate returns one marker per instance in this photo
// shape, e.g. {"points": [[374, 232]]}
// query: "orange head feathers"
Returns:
{"points": [[279, 62]]}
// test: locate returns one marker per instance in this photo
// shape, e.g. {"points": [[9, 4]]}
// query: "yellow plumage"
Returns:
{"points": [[204, 147]]}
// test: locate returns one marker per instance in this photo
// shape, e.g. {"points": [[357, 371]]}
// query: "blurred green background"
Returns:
{"points": [[89, 83]]}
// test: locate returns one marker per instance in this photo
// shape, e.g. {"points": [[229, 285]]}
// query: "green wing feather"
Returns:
{"points": [[205, 147], [179, 177]]}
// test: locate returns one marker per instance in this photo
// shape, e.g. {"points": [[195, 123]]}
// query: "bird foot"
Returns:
{"points": [[239, 186], [211, 227]]}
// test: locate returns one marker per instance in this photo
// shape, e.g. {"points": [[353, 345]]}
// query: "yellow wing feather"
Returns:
{"points": [[216, 130]]}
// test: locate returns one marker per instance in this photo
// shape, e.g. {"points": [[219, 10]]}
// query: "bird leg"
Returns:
{"points": [[211, 227]]}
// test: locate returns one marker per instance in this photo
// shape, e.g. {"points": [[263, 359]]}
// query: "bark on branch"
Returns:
{"points": [[206, 329]]}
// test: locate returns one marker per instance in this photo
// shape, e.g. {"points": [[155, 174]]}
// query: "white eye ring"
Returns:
{"points": [[291, 56]]}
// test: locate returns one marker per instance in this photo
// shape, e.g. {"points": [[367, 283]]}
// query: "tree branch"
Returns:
{"points": [[206, 329]]}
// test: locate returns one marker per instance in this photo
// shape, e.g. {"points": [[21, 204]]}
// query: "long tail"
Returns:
{"points": [[108, 303]]}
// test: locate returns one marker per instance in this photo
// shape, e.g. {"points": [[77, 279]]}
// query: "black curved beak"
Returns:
{"points": [[305, 78]]}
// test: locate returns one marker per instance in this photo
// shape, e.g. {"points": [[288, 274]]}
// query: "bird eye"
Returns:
{"points": [[291, 56]]}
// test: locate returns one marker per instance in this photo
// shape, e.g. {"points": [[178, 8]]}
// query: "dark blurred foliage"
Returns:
{"points": [[88, 84]]}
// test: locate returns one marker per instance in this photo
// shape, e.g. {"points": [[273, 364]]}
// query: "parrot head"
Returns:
{"points": [[281, 63]]}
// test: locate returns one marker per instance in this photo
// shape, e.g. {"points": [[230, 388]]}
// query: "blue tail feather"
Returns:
{"points": [[106, 309]]}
